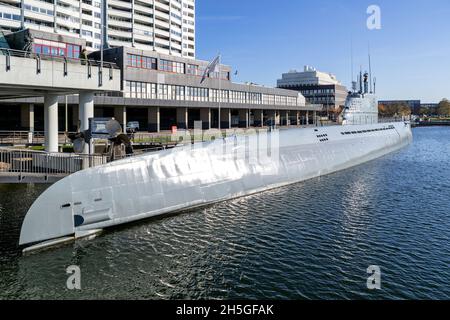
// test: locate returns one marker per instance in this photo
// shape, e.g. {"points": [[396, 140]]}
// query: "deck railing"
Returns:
{"points": [[20, 137], [46, 163]]}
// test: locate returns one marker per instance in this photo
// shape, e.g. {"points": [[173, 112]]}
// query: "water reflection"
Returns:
{"points": [[310, 240]]}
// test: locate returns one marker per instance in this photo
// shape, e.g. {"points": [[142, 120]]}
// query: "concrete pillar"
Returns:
{"points": [[315, 118], [205, 117], [271, 117], [86, 111], [51, 122], [124, 119], [153, 119], [307, 117], [243, 118], [225, 118], [31, 123], [277, 118], [284, 117], [182, 118], [27, 119], [297, 117], [258, 118]]}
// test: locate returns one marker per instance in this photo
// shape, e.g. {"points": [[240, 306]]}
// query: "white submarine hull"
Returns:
{"points": [[194, 175]]}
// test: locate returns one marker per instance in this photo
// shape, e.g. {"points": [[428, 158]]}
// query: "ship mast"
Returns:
{"points": [[360, 81], [370, 72]]}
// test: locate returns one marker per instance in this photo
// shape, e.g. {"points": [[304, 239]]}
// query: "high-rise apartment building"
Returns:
{"points": [[165, 26]]}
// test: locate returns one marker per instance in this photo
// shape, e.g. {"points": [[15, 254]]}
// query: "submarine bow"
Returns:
{"points": [[50, 216]]}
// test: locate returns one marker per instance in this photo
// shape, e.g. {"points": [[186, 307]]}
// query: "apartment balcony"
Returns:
{"points": [[143, 8], [119, 33], [118, 23], [144, 19], [177, 37], [13, 2], [13, 24], [41, 28], [162, 6], [162, 50], [162, 16], [176, 46], [40, 4], [142, 46], [162, 24], [119, 3], [119, 43], [143, 37], [38, 16], [87, 17], [142, 29], [162, 42], [64, 32], [67, 11], [162, 33], [75, 3], [67, 23], [119, 13]]}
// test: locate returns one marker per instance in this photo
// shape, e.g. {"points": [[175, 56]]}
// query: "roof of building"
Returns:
{"points": [[309, 76]]}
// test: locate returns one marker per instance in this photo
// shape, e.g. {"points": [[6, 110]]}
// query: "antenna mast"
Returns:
{"points": [[370, 71], [354, 85], [360, 81], [351, 56]]}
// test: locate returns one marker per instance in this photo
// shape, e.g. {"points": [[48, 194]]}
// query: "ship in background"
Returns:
{"points": [[196, 175]]}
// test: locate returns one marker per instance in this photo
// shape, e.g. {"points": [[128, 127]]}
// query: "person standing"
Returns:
{"points": [[83, 56]]}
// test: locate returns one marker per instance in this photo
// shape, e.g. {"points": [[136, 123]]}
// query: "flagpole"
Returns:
{"points": [[220, 93]]}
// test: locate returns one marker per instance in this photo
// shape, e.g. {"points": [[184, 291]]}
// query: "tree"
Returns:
{"points": [[403, 110], [392, 109], [443, 108], [425, 111]]}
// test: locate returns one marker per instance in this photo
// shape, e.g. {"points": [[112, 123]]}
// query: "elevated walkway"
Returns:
{"points": [[24, 74]]}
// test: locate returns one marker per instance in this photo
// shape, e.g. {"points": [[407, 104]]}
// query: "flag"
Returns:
{"points": [[212, 67]]}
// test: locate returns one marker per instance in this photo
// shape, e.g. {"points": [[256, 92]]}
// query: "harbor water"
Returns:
{"points": [[311, 240]]}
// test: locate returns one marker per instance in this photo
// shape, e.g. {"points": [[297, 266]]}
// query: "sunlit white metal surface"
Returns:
{"points": [[199, 174], [360, 109]]}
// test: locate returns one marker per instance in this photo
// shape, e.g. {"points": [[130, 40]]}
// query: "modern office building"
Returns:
{"points": [[152, 42], [317, 87], [160, 91], [165, 26], [430, 106]]}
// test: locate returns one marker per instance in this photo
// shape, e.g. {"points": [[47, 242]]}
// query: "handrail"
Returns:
{"points": [[20, 162], [31, 55], [27, 137]]}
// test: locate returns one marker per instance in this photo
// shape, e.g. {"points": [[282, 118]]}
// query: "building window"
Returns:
{"points": [[171, 66], [192, 69], [137, 61], [55, 48]]}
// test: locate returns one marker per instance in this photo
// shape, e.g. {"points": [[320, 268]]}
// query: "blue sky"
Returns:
{"points": [[264, 38]]}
